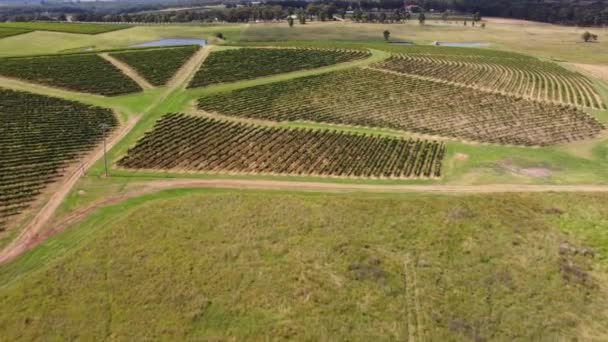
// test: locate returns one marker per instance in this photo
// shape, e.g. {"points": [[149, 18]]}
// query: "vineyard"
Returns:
{"points": [[188, 143], [87, 73], [157, 65], [385, 100], [38, 136], [248, 63], [530, 78]]}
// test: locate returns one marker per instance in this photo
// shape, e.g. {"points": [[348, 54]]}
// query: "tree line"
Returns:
{"points": [[569, 12]]}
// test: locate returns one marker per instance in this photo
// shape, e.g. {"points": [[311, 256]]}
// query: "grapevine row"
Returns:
{"points": [[87, 73], [248, 63], [365, 97], [189, 143], [157, 65], [39, 135], [528, 78]]}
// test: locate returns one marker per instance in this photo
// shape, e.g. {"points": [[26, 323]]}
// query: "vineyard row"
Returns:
{"points": [[365, 97], [531, 79], [248, 63], [39, 136], [188, 143]]}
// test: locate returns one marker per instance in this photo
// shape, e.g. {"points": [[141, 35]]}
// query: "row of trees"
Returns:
{"points": [[573, 12]]}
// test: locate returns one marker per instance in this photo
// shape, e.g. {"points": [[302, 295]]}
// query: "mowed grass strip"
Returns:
{"points": [[203, 265], [87, 73], [81, 28], [189, 143], [39, 135], [248, 63], [366, 97], [157, 65]]}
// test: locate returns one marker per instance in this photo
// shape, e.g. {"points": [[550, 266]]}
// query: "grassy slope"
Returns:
{"points": [[216, 264], [10, 31], [543, 40], [63, 27], [41, 42]]}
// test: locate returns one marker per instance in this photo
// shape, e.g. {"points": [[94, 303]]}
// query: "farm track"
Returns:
{"points": [[33, 237], [127, 70]]}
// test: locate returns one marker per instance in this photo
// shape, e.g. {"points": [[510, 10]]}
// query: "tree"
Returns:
{"points": [[387, 34], [358, 15], [588, 36], [290, 21], [219, 35], [382, 17], [476, 16], [483, 25], [465, 23], [421, 18], [444, 16], [302, 17]]}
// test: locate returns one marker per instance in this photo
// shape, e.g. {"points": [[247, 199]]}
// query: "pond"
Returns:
{"points": [[172, 42], [460, 44]]}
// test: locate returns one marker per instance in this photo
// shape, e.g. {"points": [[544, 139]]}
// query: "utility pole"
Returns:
{"points": [[104, 128]]}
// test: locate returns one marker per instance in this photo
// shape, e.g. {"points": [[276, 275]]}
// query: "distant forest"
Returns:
{"points": [[568, 12]]}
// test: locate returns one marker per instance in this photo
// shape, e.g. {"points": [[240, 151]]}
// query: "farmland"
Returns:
{"points": [[86, 73], [528, 78], [378, 99], [211, 145], [64, 27], [247, 63], [38, 136], [319, 189], [254, 265], [157, 65]]}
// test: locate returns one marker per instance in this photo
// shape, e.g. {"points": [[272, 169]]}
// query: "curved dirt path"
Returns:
{"points": [[128, 70], [33, 235], [31, 230]]}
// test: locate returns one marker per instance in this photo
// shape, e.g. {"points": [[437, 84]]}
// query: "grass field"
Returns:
{"points": [[45, 42], [543, 40], [255, 265], [64, 27]]}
